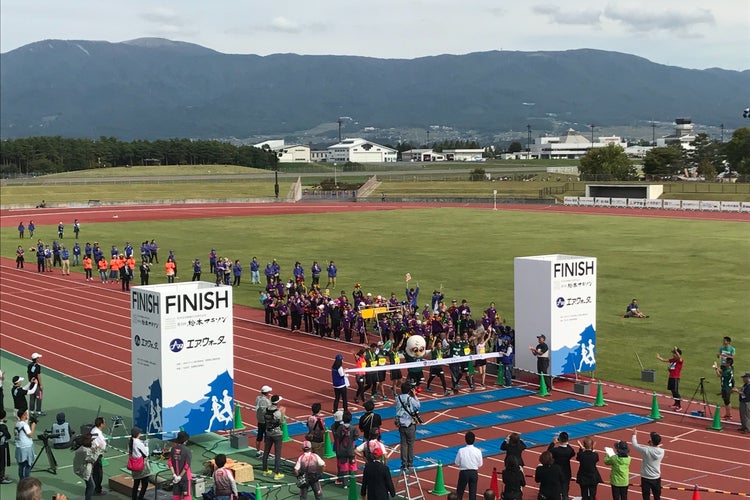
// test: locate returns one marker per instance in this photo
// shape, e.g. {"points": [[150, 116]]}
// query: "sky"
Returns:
{"points": [[687, 33]]}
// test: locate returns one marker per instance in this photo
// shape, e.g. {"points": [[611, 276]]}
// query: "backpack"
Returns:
{"points": [[272, 423], [317, 434], [346, 438]]}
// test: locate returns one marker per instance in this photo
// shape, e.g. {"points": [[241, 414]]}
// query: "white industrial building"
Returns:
{"points": [[359, 150], [298, 153], [571, 146]]}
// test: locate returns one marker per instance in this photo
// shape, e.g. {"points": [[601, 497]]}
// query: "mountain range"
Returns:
{"points": [[154, 88]]}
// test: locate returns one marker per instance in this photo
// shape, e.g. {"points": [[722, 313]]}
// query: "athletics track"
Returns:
{"points": [[695, 455]]}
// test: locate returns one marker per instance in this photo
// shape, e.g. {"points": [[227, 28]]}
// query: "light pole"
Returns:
{"points": [[335, 181], [722, 132], [592, 134], [653, 133]]}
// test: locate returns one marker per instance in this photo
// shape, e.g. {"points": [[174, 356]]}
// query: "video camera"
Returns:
{"points": [[44, 436], [33, 419]]}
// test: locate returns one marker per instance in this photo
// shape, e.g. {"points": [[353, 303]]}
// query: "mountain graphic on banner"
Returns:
{"points": [[147, 411], [579, 358], [215, 411]]}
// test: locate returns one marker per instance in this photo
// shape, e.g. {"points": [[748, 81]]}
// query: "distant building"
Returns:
{"points": [[571, 146], [319, 155], [683, 135], [271, 144], [359, 150], [420, 155], [298, 153], [463, 154]]}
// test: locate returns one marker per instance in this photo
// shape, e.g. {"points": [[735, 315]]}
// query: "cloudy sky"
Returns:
{"points": [[688, 33]]}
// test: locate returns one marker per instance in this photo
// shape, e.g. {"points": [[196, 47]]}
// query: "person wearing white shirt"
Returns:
{"points": [[99, 442], [468, 460]]}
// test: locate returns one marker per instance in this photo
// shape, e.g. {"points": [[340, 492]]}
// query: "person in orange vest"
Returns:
{"points": [[88, 267], [114, 269], [130, 261], [169, 267], [102, 265]]}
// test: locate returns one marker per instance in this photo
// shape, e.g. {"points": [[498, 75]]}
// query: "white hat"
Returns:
{"points": [[36, 355], [266, 389]]}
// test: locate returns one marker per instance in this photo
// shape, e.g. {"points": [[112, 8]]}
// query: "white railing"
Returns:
{"points": [[700, 205]]}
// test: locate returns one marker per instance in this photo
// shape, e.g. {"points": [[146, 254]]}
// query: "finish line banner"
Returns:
{"points": [[182, 358], [424, 363]]}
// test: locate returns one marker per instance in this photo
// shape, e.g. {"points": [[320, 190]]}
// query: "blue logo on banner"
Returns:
{"points": [[137, 340], [176, 345], [560, 301]]}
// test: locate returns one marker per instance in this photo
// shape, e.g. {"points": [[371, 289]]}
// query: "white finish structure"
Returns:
{"points": [[359, 150], [571, 146], [294, 154], [182, 357], [555, 296]]}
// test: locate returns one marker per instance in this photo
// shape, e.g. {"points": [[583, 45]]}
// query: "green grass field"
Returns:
{"points": [[689, 276]]}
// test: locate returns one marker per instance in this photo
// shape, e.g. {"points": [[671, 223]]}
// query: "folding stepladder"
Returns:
{"points": [[409, 479]]}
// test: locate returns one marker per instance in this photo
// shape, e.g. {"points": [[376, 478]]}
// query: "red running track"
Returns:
{"points": [[77, 315]]}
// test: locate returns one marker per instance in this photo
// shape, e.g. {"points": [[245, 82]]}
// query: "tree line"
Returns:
{"points": [[708, 158], [47, 155]]}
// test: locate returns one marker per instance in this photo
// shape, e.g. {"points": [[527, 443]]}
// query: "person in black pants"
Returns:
{"points": [[541, 351], [588, 475], [562, 453]]}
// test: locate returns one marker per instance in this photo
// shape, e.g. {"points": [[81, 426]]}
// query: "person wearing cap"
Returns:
{"points": [[744, 393], [34, 372], [60, 230], [619, 477], [19, 392], [274, 418], [652, 454], [377, 483], [262, 402], [311, 465], [541, 351], [675, 370], [340, 383]]}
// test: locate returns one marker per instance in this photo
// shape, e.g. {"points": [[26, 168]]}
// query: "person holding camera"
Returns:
{"points": [[25, 454], [675, 369], [19, 392], [407, 418]]}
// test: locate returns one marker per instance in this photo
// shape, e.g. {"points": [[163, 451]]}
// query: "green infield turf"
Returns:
{"points": [[690, 276]]}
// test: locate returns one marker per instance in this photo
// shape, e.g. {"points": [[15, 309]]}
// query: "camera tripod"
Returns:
{"points": [[701, 388], [44, 438]]}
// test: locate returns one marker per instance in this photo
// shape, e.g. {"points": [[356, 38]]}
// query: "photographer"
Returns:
{"points": [[61, 432], [25, 455], [407, 418]]}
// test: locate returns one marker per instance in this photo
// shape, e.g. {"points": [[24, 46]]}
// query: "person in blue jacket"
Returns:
{"points": [[332, 272]]}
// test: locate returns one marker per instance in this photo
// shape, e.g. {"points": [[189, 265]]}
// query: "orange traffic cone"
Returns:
{"points": [[696, 494], [494, 486]]}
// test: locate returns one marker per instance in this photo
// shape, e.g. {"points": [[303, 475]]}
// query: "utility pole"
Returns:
{"points": [[592, 135], [653, 133], [528, 141], [722, 133]]}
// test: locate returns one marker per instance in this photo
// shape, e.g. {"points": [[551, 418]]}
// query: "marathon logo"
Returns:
{"points": [[146, 302], [573, 269], [197, 301]]}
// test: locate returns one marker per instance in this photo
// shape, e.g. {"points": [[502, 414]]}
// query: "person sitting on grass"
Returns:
{"points": [[632, 311]]}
